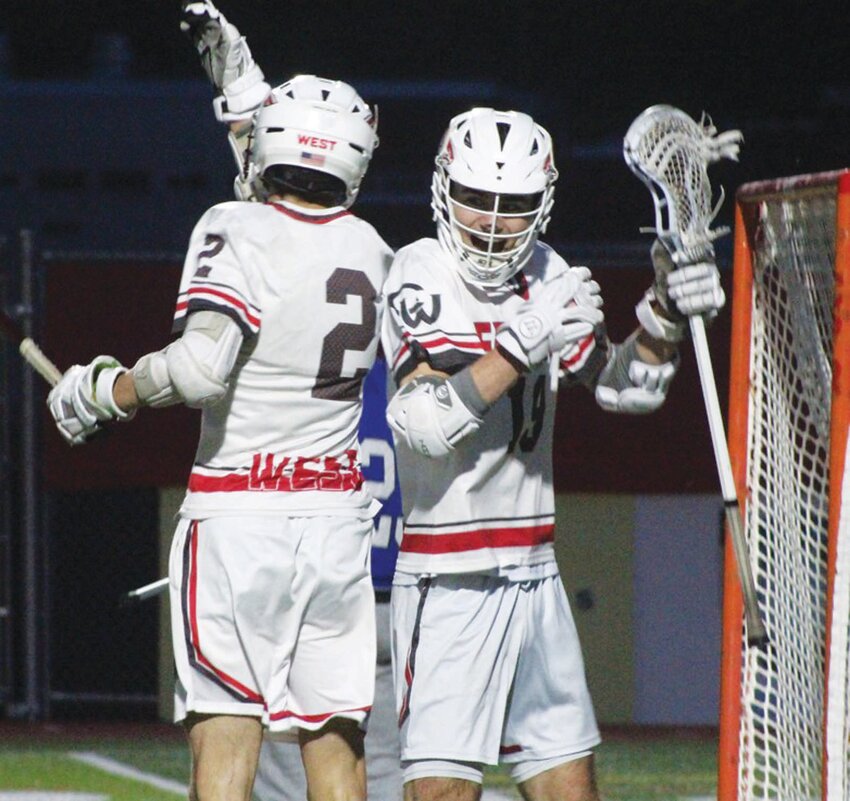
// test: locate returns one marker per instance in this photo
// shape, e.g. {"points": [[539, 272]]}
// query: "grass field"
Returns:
{"points": [[84, 763]]}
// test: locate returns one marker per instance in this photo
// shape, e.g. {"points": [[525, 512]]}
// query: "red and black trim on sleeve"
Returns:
{"points": [[211, 296], [449, 362]]}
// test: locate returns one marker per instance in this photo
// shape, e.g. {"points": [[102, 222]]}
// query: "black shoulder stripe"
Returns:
{"points": [[449, 362], [206, 305]]}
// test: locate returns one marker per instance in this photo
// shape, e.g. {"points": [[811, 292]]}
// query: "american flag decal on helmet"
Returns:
{"points": [[312, 159]]}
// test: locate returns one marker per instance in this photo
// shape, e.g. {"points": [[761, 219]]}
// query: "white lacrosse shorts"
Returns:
{"points": [[273, 617], [488, 670]]}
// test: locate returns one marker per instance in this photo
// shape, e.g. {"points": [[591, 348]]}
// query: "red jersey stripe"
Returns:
{"points": [[309, 218], [443, 340], [230, 300], [287, 474], [244, 482], [454, 542]]}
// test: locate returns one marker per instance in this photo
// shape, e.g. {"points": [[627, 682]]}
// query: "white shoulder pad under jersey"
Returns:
{"points": [[488, 504], [305, 288]]}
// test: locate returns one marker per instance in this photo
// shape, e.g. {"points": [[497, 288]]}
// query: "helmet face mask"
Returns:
{"points": [[319, 125], [492, 228], [492, 192]]}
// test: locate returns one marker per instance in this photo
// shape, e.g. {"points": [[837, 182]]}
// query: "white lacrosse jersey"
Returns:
{"points": [[489, 504], [304, 287]]}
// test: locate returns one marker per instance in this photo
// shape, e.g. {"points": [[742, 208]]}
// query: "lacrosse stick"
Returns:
{"points": [[143, 593], [33, 355], [670, 153]]}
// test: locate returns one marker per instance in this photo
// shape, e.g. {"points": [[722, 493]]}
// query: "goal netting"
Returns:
{"points": [[785, 723]]}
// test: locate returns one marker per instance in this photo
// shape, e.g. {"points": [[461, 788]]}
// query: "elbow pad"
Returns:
{"points": [[428, 414], [631, 386], [193, 370]]}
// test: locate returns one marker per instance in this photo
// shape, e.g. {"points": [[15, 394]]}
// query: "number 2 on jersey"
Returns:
{"points": [[330, 383]]}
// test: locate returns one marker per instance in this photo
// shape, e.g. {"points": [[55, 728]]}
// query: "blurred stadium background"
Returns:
{"points": [[109, 153]]}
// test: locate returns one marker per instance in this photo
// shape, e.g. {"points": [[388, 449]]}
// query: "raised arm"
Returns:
{"points": [[239, 82]]}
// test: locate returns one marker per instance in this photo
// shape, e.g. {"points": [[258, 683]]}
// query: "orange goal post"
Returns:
{"points": [[785, 709]]}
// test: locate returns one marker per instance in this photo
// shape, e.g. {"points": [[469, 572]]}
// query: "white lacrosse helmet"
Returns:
{"points": [[317, 124], [503, 153]]}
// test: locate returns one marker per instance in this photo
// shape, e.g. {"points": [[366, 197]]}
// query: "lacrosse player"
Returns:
{"points": [[273, 618], [480, 321], [240, 90]]}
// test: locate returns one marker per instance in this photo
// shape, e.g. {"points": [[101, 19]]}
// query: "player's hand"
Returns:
{"points": [[82, 400], [683, 290], [202, 22], [227, 61], [542, 325], [218, 42], [584, 325], [589, 293], [695, 289]]}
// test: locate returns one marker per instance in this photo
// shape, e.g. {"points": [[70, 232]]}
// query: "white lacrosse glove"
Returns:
{"points": [[681, 291], [538, 330], [82, 400], [648, 392], [227, 60], [695, 289], [583, 324]]}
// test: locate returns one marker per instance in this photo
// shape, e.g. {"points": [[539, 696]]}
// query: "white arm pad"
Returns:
{"points": [[193, 370], [631, 386], [428, 414]]}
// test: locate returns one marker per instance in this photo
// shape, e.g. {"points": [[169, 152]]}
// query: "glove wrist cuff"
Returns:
{"points": [[509, 356], [242, 97], [655, 325], [104, 381]]}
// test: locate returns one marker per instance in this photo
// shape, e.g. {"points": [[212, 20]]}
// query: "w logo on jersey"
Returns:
{"points": [[414, 306]]}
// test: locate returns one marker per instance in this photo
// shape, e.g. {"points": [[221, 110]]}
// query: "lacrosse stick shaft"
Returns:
{"points": [[148, 591], [9, 329], [39, 362], [756, 632], [554, 368]]}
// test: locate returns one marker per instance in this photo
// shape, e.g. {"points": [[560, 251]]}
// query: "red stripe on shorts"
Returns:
{"points": [[286, 713], [250, 694]]}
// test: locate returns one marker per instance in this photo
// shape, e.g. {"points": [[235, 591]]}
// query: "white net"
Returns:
{"points": [[791, 364], [838, 727]]}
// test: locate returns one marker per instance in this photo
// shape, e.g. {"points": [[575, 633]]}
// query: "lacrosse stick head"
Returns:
{"points": [[670, 153]]}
